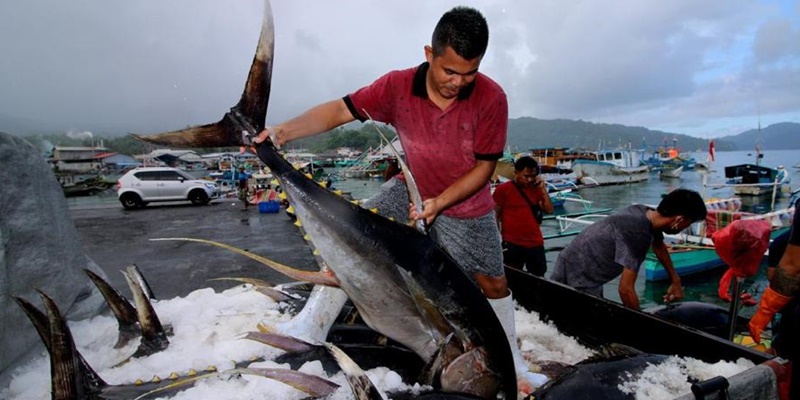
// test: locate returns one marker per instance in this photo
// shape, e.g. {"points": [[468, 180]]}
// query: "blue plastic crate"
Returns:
{"points": [[269, 207]]}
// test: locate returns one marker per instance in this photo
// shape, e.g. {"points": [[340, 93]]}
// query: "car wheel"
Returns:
{"points": [[198, 197], [131, 201]]}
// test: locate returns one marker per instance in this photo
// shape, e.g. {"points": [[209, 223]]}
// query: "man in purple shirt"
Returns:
{"points": [[452, 122]]}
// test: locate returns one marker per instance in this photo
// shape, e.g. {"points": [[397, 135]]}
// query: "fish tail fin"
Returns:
{"points": [[362, 386], [247, 117], [125, 313], [71, 376], [154, 337]]}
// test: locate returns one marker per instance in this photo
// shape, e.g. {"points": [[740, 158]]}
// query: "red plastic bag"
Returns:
{"points": [[741, 245]]}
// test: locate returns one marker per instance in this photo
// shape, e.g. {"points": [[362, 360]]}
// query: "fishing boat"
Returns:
{"points": [[757, 180], [671, 171], [570, 222], [611, 167]]}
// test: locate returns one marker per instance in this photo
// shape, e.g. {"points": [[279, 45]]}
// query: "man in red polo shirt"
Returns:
{"points": [[522, 237], [452, 122]]}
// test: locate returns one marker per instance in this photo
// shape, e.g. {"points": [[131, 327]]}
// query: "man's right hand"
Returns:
{"points": [[271, 132]]}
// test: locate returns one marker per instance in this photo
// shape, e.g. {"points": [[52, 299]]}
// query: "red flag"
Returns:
{"points": [[711, 150]]}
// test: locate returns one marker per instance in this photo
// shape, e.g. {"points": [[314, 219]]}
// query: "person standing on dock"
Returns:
{"points": [[452, 122], [617, 245], [520, 205], [242, 181], [781, 296]]}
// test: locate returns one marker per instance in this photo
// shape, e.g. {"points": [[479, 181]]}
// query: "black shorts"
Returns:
{"points": [[531, 259]]}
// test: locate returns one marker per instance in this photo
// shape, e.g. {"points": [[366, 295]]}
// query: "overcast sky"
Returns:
{"points": [[703, 68]]}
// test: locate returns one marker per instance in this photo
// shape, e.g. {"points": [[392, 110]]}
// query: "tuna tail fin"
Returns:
{"points": [[154, 338], [244, 120], [362, 387], [122, 309], [136, 274], [71, 375], [41, 322]]}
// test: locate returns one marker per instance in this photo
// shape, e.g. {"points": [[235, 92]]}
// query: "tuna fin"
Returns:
{"points": [[40, 321], [448, 351], [363, 388], [244, 119], [122, 309], [437, 323], [288, 344], [136, 274], [312, 385], [154, 338], [319, 277], [411, 183], [71, 377]]}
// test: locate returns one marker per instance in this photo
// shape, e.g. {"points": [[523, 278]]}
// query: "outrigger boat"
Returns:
{"points": [[570, 223]]}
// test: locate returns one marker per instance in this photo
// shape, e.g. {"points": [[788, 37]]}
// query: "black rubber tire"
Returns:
{"points": [[198, 197], [131, 201]]}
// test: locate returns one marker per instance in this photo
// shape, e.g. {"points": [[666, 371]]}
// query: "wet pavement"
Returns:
{"points": [[116, 238]]}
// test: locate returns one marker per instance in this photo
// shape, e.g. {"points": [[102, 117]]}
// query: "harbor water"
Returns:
{"points": [[702, 287]]}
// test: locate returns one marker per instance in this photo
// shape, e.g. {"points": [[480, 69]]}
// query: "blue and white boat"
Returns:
{"points": [[757, 180], [611, 167]]}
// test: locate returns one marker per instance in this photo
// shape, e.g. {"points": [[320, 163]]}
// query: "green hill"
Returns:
{"points": [[526, 132], [780, 136]]}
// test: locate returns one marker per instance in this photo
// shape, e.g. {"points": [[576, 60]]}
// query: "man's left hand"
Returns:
{"points": [[674, 292], [430, 210]]}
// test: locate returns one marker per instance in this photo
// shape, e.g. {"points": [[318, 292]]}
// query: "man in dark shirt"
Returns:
{"points": [[782, 296], [618, 244]]}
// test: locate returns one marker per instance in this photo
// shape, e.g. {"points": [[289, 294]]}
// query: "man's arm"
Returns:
{"points": [[627, 288], [546, 203], [675, 290], [316, 120], [461, 189]]}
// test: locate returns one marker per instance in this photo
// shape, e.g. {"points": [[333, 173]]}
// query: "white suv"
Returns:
{"points": [[142, 185]]}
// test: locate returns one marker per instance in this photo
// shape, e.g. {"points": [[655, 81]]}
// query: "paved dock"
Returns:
{"points": [[115, 238]]}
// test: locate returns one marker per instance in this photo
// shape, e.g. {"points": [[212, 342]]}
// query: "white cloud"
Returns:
{"points": [[147, 66]]}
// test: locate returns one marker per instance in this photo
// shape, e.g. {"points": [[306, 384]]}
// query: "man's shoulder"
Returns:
{"points": [[503, 187], [484, 82]]}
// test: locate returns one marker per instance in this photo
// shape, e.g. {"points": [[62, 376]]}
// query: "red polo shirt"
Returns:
{"points": [[440, 146], [516, 218]]}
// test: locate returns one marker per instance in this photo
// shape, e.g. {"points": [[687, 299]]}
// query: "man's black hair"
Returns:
{"points": [[684, 202], [525, 162], [465, 30]]}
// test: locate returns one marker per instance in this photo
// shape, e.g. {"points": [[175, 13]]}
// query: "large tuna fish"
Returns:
{"points": [[403, 284]]}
